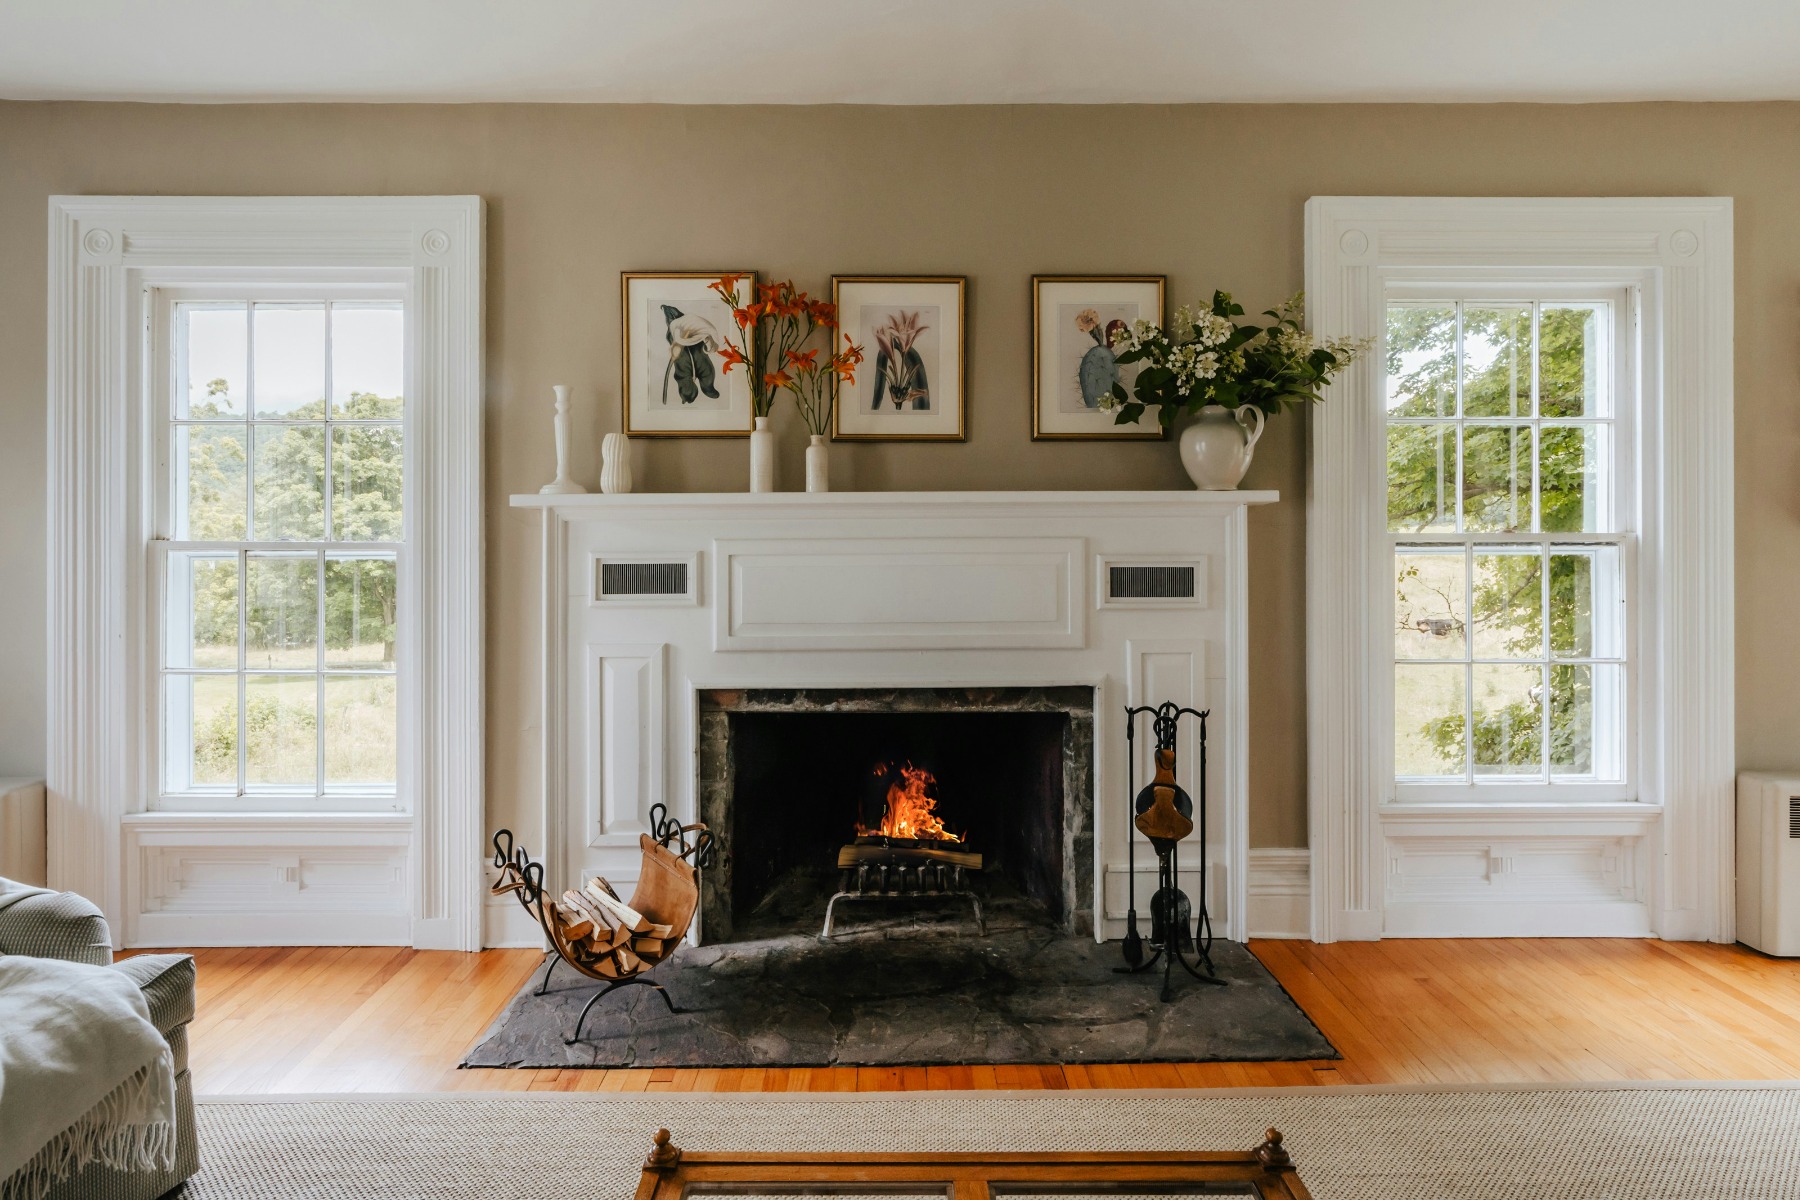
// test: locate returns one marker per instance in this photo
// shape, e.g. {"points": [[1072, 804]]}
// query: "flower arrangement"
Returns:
{"points": [[1206, 357], [771, 329]]}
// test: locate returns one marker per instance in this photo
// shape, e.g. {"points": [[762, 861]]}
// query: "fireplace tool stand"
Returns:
{"points": [[1164, 813]]}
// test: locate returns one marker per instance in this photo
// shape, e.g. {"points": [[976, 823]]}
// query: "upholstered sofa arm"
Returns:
{"points": [[56, 925], [167, 981]]}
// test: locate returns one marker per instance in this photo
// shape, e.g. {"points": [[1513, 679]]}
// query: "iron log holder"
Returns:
{"points": [[524, 877], [1178, 940]]}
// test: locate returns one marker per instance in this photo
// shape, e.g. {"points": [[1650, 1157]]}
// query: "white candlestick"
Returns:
{"points": [[562, 485]]}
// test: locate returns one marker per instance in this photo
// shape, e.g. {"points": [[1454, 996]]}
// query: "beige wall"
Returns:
{"points": [[1210, 196]]}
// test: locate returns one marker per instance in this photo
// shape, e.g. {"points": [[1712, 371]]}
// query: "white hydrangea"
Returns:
{"points": [[1135, 335]]}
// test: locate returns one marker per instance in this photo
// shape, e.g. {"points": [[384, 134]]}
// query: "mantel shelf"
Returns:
{"points": [[794, 503]]}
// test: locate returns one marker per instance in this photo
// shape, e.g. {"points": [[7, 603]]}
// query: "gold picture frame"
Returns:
{"points": [[644, 393], [922, 319], [1064, 369]]}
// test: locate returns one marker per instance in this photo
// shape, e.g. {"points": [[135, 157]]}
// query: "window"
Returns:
{"points": [[1508, 514], [284, 549]]}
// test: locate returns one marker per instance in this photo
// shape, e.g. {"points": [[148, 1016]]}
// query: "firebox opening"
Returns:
{"points": [[804, 782]]}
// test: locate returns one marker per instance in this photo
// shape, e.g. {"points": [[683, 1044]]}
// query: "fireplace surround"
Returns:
{"points": [[667, 616], [786, 776]]}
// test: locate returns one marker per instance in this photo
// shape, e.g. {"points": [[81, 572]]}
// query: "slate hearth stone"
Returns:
{"points": [[903, 989]]}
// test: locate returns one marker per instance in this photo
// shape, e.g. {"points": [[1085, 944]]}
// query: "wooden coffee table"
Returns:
{"points": [[671, 1173]]}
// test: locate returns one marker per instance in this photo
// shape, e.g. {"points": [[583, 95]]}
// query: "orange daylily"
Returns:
{"points": [[779, 379], [806, 362], [726, 285], [732, 357]]}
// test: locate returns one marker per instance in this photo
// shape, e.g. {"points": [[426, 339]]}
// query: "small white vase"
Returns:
{"points": [[818, 466], [615, 464], [762, 457], [1216, 449]]}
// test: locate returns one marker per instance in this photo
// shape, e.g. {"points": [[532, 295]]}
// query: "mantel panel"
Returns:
{"points": [[892, 594]]}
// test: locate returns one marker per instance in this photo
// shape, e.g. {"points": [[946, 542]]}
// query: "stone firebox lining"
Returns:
{"points": [[717, 785]]}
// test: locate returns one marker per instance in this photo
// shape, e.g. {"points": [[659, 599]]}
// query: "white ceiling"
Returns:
{"points": [[900, 51]]}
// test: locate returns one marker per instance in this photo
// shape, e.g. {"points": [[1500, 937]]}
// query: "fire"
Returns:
{"points": [[911, 809]]}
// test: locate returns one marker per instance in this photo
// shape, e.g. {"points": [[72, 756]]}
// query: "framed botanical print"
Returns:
{"points": [[1072, 363], [675, 383], [910, 385]]}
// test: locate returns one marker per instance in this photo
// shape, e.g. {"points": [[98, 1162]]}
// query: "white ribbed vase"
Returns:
{"points": [[615, 464]]}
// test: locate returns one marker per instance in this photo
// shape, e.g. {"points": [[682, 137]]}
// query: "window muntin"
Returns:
{"points": [[283, 561], [1509, 540]]}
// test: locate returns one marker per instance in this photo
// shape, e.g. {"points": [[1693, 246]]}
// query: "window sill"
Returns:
{"points": [[1596, 819], [167, 821]]}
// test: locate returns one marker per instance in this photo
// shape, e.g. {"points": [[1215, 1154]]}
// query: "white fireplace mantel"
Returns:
{"points": [[651, 598]]}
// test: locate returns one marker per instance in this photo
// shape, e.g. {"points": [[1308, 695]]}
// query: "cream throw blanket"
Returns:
{"points": [[84, 1076]]}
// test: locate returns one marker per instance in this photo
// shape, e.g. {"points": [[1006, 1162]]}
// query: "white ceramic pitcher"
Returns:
{"points": [[1216, 449]]}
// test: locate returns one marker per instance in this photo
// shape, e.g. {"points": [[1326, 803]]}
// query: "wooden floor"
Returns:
{"points": [[1449, 1012]]}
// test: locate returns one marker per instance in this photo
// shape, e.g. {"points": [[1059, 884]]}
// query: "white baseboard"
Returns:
{"points": [[1280, 892], [1514, 918], [505, 924]]}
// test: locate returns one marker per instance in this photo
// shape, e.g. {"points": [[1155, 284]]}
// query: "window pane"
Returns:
{"points": [[1431, 607], [208, 463], [1508, 704], [368, 357], [210, 358], [1421, 477], [290, 483], [1497, 361], [1429, 703], [360, 730], [1496, 477], [281, 616], [1571, 359], [1586, 603], [290, 361], [1421, 360], [202, 607], [1569, 474], [366, 469], [1509, 603], [201, 713], [280, 732], [1587, 721], [359, 612]]}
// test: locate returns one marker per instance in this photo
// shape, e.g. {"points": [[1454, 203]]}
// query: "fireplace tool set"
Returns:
{"points": [[1164, 814], [598, 934]]}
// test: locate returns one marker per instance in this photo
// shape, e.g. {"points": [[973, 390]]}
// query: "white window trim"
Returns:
{"points": [[1676, 838], [104, 253]]}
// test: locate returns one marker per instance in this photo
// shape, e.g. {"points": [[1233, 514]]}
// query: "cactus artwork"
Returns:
{"points": [[1099, 368]]}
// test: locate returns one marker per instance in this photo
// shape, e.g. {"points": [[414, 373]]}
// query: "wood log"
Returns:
{"points": [[855, 854]]}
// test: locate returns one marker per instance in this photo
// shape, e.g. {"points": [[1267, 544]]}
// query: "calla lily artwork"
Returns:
{"points": [[679, 345]]}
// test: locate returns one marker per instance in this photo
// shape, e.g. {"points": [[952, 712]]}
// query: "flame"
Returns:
{"points": [[911, 810]]}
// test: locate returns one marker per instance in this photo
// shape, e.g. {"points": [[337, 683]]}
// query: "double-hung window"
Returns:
{"points": [[1509, 493], [281, 553]]}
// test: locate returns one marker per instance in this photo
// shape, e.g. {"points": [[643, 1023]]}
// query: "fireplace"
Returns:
{"points": [[789, 779]]}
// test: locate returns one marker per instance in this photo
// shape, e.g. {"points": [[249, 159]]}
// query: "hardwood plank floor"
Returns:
{"points": [[370, 1019]]}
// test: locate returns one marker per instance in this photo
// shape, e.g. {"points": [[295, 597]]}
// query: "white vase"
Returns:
{"points": [[615, 464], [762, 457], [1216, 449], [818, 466]]}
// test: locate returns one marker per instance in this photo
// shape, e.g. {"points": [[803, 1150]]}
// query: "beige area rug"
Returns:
{"points": [[1617, 1142]]}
